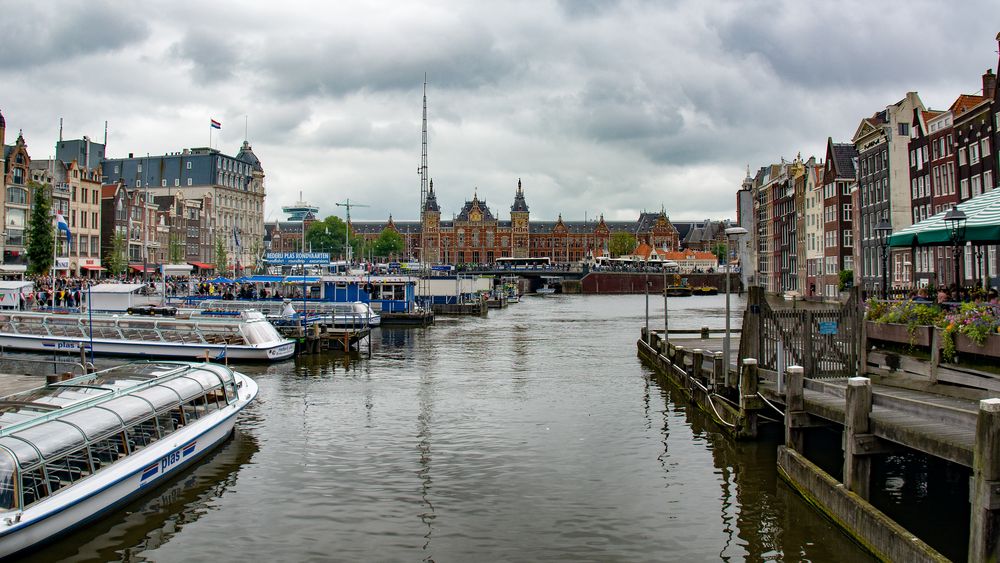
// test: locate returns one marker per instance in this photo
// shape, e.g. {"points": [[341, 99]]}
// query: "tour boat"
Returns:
{"points": [[343, 315], [248, 337], [72, 451]]}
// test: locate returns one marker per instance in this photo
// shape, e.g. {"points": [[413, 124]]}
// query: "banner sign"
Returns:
{"points": [[297, 257]]}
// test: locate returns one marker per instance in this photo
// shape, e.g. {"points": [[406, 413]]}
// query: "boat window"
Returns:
{"points": [[107, 451], [185, 387], [218, 397], [165, 423], [33, 487], [191, 411], [130, 409], [160, 397], [141, 434], [67, 470], [6, 480], [25, 454], [94, 422], [53, 438]]}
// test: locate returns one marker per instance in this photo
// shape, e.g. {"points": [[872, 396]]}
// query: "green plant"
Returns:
{"points": [[846, 280], [974, 320]]}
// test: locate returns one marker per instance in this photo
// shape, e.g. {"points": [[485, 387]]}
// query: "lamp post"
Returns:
{"points": [[882, 231], [955, 219], [731, 232]]}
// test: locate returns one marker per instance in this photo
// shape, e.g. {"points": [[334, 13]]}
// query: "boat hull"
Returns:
{"points": [[128, 479], [137, 348]]}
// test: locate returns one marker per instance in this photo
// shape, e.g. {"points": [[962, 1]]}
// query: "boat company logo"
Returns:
{"points": [[167, 461]]}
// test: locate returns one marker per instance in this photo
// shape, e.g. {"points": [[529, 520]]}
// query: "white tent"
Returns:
{"points": [[120, 296], [12, 292]]}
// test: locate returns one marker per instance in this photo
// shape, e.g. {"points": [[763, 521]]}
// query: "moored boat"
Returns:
{"points": [[248, 337], [74, 450], [678, 291], [704, 290]]}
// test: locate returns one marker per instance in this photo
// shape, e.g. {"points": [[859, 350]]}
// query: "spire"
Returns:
{"points": [[431, 203], [519, 204]]}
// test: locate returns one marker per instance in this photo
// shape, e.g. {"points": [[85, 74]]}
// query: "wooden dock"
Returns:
{"points": [[320, 338], [877, 416], [473, 308], [422, 317]]}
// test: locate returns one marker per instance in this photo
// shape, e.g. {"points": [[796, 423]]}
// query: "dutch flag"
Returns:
{"points": [[62, 225], [216, 124]]}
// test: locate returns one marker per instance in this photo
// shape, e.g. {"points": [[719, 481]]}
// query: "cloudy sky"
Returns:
{"points": [[598, 106]]}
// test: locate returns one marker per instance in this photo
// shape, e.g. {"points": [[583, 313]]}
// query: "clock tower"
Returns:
{"points": [[520, 232]]}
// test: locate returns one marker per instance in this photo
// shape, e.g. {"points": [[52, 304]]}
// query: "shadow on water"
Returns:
{"points": [[762, 518], [163, 512]]}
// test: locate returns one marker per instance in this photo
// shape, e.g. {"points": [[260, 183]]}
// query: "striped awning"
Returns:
{"points": [[982, 225]]}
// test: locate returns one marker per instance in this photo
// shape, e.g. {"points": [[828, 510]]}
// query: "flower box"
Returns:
{"points": [[921, 335], [991, 347]]}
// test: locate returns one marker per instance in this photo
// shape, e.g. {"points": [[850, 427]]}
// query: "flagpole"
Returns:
{"points": [[55, 237]]}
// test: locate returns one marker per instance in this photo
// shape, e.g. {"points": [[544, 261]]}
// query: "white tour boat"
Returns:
{"points": [[246, 337], [351, 314], [72, 451]]}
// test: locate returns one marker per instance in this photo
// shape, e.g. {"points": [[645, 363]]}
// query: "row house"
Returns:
{"points": [[76, 196], [838, 234], [184, 230], [235, 185], [882, 143], [131, 214], [805, 183], [746, 252], [17, 198], [811, 229]]}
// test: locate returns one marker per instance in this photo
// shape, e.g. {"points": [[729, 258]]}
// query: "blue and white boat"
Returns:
{"points": [[73, 451]]}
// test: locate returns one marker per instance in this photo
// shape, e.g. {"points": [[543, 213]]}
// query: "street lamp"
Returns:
{"points": [[882, 231], [731, 232], [955, 219]]}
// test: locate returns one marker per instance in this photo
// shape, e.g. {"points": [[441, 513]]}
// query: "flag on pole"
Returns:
{"points": [[216, 124], [62, 225], [236, 236]]}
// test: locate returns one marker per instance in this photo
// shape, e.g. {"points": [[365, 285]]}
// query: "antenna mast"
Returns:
{"points": [[423, 170]]}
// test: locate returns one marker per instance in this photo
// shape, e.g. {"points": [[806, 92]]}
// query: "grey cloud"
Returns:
{"points": [[38, 33], [213, 58]]}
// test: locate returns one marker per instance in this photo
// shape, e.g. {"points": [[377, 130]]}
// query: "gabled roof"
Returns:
{"points": [[841, 156], [869, 125], [966, 102]]}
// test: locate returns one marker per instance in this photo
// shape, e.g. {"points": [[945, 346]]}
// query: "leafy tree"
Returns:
{"points": [[389, 243], [176, 249], [621, 243], [116, 262], [721, 252], [327, 235], [846, 280], [40, 230], [221, 257]]}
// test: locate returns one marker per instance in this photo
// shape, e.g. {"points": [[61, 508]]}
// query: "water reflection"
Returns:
{"points": [[161, 514]]}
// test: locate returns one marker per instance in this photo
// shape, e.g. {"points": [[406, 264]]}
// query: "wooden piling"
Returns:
{"points": [[704, 332], [697, 357], [857, 427], [984, 525], [749, 401], [794, 409], [719, 373]]}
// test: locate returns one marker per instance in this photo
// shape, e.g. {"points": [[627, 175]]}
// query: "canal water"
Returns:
{"points": [[532, 435]]}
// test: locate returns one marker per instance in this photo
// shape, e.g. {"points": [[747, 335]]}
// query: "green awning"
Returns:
{"points": [[981, 227]]}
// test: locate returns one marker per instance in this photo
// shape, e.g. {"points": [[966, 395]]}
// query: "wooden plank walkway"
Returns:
{"points": [[935, 424]]}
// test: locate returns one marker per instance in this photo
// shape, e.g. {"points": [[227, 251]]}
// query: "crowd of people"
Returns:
{"points": [[949, 296]]}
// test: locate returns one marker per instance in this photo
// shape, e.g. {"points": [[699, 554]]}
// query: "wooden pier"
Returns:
{"points": [[474, 308], [880, 415], [318, 338], [421, 317]]}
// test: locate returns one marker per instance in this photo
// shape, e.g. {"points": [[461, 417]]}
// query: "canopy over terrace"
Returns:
{"points": [[982, 225]]}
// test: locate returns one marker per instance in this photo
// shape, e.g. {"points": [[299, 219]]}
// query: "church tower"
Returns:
{"points": [[430, 228], [519, 230]]}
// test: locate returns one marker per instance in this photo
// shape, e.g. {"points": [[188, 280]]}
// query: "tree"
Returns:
{"points": [[389, 243], [221, 257], [621, 243], [721, 252], [40, 231], [846, 280], [176, 249], [327, 235], [116, 261]]}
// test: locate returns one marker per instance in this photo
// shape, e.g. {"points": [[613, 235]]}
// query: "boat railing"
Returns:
{"points": [[128, 328]]}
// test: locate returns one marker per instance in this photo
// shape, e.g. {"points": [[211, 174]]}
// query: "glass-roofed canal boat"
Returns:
{"points": [[75, 450], [248, 336]]}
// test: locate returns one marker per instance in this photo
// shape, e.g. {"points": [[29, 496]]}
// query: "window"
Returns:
{"points": [[189, 181], [189, 165], [988, 180], [138, 168], [17, 195], [177, 182], [974, 153], [163, 183], [977, 187], [904, 129], [984, 146], [848, 238], [95, 243], [964, 185], [961, 156], [116, 169], [847, 212]]}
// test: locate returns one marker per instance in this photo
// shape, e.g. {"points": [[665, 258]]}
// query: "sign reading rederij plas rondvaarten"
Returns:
{"points": [[297, 257]]}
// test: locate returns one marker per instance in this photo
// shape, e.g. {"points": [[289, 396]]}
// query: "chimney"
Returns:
{"points": [[989, 84]]}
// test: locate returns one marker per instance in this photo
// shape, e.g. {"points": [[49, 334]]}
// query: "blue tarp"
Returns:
{"points": [[263, 279], [220, 279]]}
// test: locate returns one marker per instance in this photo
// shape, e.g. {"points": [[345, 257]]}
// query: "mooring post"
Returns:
{"points": [[748, 397], [935, 354], [678, 359], [719, 372], [984, 525], [697, 357], [795, 406], [857, 423], [704, 332]]}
